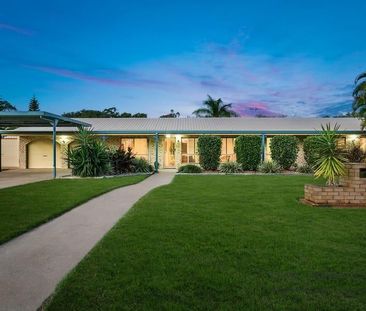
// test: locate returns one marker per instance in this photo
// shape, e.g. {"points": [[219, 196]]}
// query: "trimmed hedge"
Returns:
{"points": [[248, 151], [284, 150], [190, 168], [309, 150], [209, 150]]}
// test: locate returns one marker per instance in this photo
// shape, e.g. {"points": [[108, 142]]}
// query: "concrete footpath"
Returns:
{"points": [[32, 264]]}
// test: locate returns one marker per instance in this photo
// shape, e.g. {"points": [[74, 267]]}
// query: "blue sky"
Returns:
{"points": [[297, 58]]}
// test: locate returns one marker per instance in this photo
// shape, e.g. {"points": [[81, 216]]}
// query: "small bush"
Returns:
{"points": [[122, 161], [310, 153], [269, 167], [248, 151], [284, 150], [230, 167], [141, 165], [304, 169], [190, 168], [354, 153], [209, 150]]}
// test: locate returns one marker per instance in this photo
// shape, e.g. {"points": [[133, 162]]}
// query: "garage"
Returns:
{"points": [[39, 154]]}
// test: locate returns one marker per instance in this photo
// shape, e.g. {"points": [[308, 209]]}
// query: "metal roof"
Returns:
{"points": [[209, 125], [35, 119]]}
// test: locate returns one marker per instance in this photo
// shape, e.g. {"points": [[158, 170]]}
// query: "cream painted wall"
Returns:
{"points": [[10, 152], [40, 154]]}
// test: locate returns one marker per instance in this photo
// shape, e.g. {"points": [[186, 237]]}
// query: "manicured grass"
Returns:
{"points": [[224, 243], [25, 207]]}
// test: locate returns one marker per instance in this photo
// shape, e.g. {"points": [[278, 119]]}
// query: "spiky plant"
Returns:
{"points": [[90, 156], [330, 160]]}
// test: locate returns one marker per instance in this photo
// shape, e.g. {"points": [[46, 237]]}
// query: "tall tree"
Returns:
{"points": [[6, 106], [33, 104], [214, 108], [172, 114], [359, 98]]}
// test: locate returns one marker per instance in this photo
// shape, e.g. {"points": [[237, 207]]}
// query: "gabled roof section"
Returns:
{"points": [[209, 125], [34, 119]]}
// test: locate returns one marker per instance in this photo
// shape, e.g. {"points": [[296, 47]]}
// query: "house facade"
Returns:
{"points": [[170, 142]]}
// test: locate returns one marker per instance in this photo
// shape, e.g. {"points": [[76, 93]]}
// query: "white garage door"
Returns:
{"points": [[10, 151], [40, 154]]}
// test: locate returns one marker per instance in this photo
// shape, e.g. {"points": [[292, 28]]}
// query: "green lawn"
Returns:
{"points": [[224, 243], [25, 207]]}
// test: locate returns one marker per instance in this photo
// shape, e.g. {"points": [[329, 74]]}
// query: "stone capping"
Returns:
{"points": [[351, 191]]}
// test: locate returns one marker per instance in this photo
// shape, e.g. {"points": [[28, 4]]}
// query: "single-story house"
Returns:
{"points": [[170, 141]]}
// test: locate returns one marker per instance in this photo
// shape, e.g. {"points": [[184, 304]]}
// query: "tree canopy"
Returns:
{"points": [[111, 112], [6, 106], [33, 104], [214, 108], [359, 96]]}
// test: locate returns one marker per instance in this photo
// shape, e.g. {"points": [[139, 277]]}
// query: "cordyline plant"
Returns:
{"points": [[330, 159], [90, 157]]}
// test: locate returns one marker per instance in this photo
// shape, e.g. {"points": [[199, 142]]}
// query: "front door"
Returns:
{"points": [[169, 152]]}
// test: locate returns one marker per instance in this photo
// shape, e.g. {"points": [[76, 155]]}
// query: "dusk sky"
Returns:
{"points": [[297, 58]]}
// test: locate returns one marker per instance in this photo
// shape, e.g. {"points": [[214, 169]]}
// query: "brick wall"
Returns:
{"points": [[350, 192]]}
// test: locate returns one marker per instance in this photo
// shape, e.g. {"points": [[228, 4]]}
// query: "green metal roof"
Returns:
{"points": [[15, 119]]}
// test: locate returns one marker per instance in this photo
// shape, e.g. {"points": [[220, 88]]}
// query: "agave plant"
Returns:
{"points": [[90, 157], [330, 160]]}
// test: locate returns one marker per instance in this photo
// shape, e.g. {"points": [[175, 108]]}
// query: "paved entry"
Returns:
{"points": [[34, 263], [15, 177]]}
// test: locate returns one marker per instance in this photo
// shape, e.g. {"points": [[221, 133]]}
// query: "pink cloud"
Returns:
{"points": [[18, 30], [254, 109]]}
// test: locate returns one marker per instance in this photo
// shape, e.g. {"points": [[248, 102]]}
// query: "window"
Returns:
{"points": [[138, 146], [227, 149], [341, 142], [189, 150]]}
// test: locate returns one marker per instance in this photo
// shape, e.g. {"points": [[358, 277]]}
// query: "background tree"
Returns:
{"points": [[359, 96], [172, 114], [111, 112], [6, 106], [33, 104], [215, 108]]}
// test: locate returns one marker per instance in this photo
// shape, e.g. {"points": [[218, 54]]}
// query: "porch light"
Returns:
{"points": [[178, 138]]}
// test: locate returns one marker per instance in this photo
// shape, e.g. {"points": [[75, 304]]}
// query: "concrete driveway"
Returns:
{"points": [[15, 177]]}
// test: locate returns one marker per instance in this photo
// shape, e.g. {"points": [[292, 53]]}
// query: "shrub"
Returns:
{"points": [[310, 154], [190, 168], [354, 153], [90, 157], [269, 167], [141, 165], [305, 169], [330, 163], [122, 161], [248, 151], [209, 150], [230, 167], [284, 150]]}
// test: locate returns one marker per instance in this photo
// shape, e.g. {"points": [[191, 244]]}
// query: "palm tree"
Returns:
{"points": [[214, 108], [359, 95]]}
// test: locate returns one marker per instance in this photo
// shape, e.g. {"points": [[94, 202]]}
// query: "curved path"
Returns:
{"points": [[34, 263]]}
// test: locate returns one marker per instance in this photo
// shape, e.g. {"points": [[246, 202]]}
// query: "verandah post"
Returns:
{"points": [[54, 125], [263, 147], [156, 163]]}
